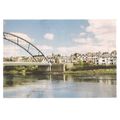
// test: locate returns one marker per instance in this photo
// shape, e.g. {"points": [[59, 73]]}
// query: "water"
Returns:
{"points": [[59, 86]]}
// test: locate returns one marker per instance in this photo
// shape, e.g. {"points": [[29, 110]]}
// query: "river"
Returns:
{"points": [[59, 86]]}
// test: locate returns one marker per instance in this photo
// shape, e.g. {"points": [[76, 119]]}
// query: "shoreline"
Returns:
{"points": [[82, 72], [93, 72]]}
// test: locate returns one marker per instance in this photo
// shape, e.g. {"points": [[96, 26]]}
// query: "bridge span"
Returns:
{"points": [[42, 67]]}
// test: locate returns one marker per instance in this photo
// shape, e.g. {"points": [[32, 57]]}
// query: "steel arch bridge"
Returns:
{"points": [[27, 46]]}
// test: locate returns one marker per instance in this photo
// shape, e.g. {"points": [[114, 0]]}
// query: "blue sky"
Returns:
{"points": [[62, 36]]}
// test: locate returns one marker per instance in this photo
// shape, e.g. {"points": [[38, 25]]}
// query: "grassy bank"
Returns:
{"points": [[93, 72], [83, 70]]}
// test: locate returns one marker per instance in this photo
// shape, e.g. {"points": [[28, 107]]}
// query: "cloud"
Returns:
{"points": [[98, 35], [69, 50], [49, 36], [104, 31], [10, 50], [101, 26], [44, 47], [83, 40], [83, 34], [23, 35], [81, 49], [47, 50]]}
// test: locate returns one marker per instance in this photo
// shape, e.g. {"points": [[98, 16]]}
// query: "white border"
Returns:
{"points": [[85, 108]]}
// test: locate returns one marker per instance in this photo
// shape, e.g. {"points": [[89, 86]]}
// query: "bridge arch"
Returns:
{"points": [[17, 40]]}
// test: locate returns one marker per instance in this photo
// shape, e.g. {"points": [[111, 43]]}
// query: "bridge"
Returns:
{"points": [[29, 48]]}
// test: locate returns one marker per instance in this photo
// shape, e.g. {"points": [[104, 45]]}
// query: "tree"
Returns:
{"points": [[81, 63]]}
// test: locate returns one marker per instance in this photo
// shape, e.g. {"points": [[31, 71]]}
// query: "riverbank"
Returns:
{"points": [[81, 72], [93, 72], [61, 69]]}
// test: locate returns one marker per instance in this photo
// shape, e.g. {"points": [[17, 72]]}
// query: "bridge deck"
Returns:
{"points": [[25, 63]]}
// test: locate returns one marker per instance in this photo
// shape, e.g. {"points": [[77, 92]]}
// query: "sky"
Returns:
{"points": [[63, 37]]}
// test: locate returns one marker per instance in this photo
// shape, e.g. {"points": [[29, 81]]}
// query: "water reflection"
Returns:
{"points": [[59, 85], [10, 80]]}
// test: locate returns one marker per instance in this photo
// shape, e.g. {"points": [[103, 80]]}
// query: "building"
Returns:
{"points": [[97, 58]]}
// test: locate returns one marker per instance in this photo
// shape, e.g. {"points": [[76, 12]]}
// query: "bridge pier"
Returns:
{"points": [[57, 67], [44, 68], [51, 68]]}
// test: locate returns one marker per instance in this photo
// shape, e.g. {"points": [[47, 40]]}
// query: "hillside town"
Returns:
{"points": [[97, 58]]}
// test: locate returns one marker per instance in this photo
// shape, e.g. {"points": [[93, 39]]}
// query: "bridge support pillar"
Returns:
{"points": [[58, 68], [44, 68], [52, 68]]}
